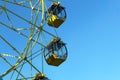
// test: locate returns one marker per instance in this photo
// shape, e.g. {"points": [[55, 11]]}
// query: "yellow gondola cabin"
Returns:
{"points": [[55, 52], [57, 15]]}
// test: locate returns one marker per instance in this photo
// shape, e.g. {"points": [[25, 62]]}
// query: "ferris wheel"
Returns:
{"points": [[28, 36]]}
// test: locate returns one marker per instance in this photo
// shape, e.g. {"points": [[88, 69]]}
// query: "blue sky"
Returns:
{"points": [[92, 35]]}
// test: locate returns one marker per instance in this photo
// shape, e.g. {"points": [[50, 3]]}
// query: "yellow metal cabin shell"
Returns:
{"points": [[54, 21], [55, 60]]}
